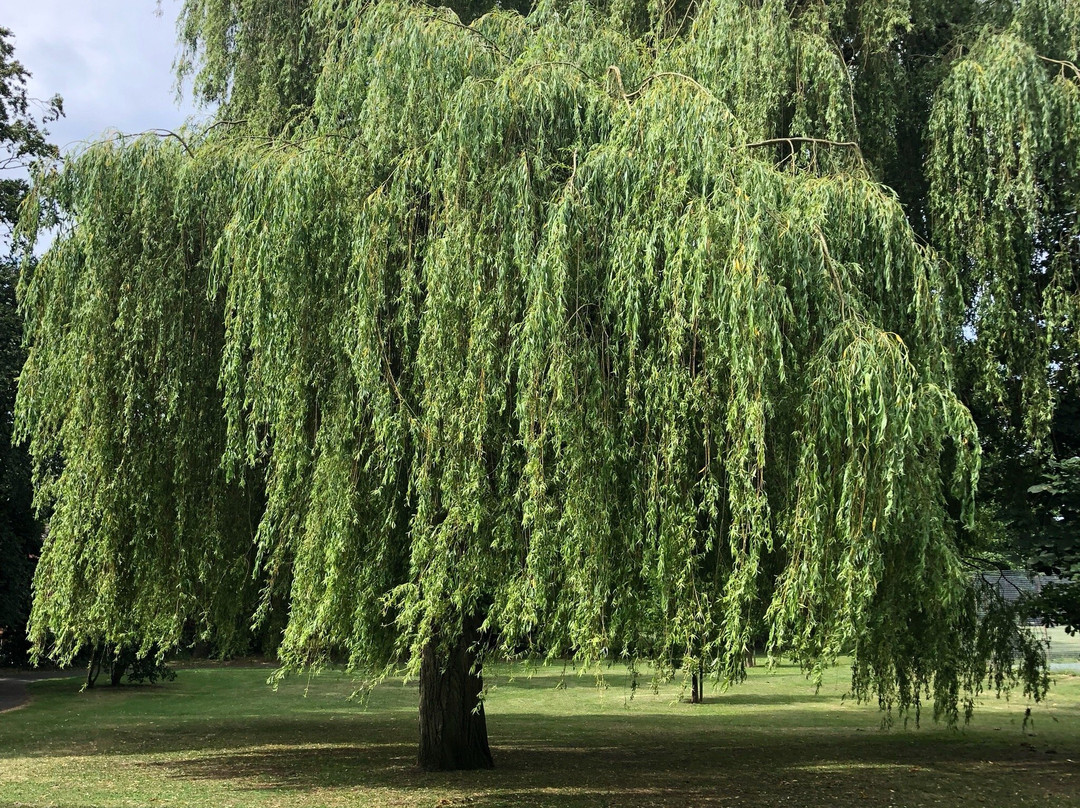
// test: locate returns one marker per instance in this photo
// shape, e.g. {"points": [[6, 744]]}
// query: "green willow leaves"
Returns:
{"points": [[596, 323]]}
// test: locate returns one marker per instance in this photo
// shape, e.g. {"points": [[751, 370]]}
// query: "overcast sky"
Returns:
{"points": [[111, 60]]}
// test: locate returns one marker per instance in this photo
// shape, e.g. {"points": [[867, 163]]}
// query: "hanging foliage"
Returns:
{"points": [[120, 401], [586, 333], [1004, 189]]}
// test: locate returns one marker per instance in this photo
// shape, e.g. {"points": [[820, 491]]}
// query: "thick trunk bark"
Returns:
{"points": [[453, 730]]}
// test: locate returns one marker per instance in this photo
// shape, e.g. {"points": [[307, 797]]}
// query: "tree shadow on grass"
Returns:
{"points": [[635, 763], [765, 700], [573, 755]]}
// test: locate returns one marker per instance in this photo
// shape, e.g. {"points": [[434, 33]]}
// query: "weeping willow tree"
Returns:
{"points": [[608, 331]]}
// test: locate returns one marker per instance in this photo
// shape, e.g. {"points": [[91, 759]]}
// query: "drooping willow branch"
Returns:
{"points": [[669, 74], [162, 133], [816, 141], [488, 40], [1062, 63], [571, 65], [166, 133]]}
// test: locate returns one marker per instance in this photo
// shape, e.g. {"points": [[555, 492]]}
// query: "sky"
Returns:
{"points": [[111, 60]]}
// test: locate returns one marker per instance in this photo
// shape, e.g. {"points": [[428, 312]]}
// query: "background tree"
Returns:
{"points": [[23, 139], [1003, 196], [1033, 507], [1053, 548], [590, 333]]}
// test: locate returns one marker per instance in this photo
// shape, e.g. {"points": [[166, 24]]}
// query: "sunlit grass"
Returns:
{"points": [[222, 737]]}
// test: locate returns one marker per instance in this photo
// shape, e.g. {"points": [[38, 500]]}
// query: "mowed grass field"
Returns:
{"points": [[221, 737]]}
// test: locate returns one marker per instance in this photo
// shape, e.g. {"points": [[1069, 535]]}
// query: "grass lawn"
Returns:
{"points": [[1062, 647], [220, 737]]}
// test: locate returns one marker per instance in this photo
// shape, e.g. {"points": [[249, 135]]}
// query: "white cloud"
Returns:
{"points": [[111, 60]]}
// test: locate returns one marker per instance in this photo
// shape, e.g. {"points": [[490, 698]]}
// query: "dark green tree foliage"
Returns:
{"points": [[1053, 547], [586, 333], [1037, 508], [136, 664], [20, 533], [23, 139]]}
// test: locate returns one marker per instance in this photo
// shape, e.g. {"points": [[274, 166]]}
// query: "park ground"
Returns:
{"points": [[220, 737]]}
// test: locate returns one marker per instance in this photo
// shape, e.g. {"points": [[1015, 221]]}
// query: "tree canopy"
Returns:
{"points": [[612, 330]]}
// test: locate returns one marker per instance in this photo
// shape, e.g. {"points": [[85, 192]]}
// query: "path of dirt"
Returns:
{"points": [[13, 691]]}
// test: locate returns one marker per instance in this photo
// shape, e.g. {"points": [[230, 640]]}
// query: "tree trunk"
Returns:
{"points": [[122, 660], [453, 730], [697, 682], [93, 668]]}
